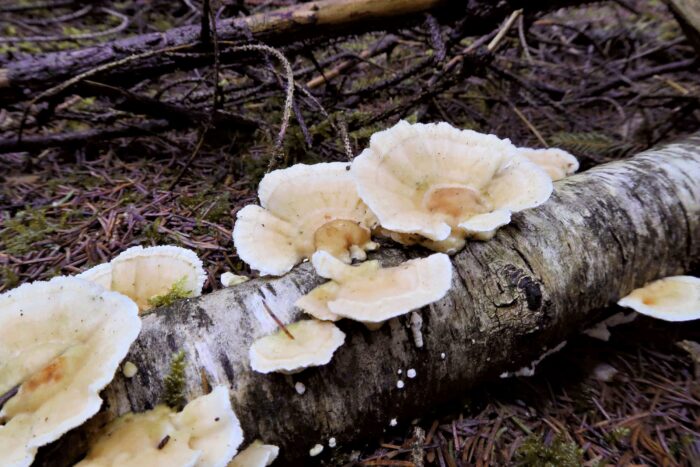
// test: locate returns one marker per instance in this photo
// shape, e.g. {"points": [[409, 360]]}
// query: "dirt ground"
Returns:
{"points": [[602, 81]]}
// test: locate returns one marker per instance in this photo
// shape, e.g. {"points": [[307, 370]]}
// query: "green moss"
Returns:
{"points": [[617, 435], [176, 292], [560, 453], [8, 278], [174, 383], [25, 229]]}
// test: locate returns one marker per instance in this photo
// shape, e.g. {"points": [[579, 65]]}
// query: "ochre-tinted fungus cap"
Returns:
{"points": [[371, 294], [205, 434], [556, 162], [145, 274], [304, 208], [313, 344], [256, 455], [61, 342], [440, 182], [675, 298]]}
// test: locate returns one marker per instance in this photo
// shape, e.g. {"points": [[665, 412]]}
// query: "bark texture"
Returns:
{"points": [[312, 20], [603, 233]]}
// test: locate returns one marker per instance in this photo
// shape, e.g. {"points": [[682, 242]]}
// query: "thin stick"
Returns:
{"points": [[529, 124], [504, 30], [277, 320], [9, 395]]}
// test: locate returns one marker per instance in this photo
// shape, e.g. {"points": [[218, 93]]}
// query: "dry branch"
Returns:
{"points": [[327, 18], [603, 233]]}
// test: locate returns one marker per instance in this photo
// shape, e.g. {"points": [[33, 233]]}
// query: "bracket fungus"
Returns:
{"points": [[675, 298], [206, 433], [151, 275], [256, 455], [372, 294], [556, 162], [303, 209], [300, 345], [61, 343], [446, 184]]}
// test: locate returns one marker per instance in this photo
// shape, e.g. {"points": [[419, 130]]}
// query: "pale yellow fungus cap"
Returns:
{"points": [[675, 298], [372, 294], [205, 434], [556, 162], [313, 344], [256, 455], [229, 279], [304, 208], [446, 184], [143, 274], [61, 343]]}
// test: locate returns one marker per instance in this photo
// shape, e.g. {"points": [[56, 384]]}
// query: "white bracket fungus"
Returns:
{"points": [[303, 209], [556, 162], [61, 342], [143, 274], [256, 455], [313, 344], [601, 330], [675, 298], [229, 279], [371, 294], [205, 434], [446, 184]]}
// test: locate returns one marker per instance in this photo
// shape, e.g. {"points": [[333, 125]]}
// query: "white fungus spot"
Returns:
{"points": [[411, 373], [129, 370], [443, 356], [399, 384], [399, 371], [393, 422], [301, 389], [332, 443], [316, 450]]}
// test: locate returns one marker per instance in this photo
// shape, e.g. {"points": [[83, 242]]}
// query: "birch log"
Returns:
{"points": [[603, 233]]}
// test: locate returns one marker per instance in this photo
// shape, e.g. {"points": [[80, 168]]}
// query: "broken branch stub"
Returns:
{"points": [[603, 233]]}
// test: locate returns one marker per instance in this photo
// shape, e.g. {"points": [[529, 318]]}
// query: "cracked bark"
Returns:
{"points": [[603, 233]]}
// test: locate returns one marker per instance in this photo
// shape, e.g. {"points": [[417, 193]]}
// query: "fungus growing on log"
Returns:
{"points": [[256, 455], [300, 345], [303, 209], [371, 294], [675, 298], [61, 342], [205, 434], [446, 184], [556, 162], [151, 276]]}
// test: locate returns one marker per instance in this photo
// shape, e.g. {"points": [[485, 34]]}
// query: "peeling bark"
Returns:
{"points": [[603, 233]]}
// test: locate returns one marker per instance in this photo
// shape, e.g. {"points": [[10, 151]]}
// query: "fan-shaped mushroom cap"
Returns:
{"points": [[556, 162], [304, 208], [61, 341], [313, 345], [371, 294], [205, 434], [675, 298], [438, 181], [256, 455], [145, 273]]}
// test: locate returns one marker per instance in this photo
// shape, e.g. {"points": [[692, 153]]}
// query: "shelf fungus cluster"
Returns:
{"points": [[149, 275], [61, 342], [675, 298], [205, 434], [428, 184]]}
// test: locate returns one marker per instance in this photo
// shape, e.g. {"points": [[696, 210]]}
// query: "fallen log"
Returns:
{"points": [[327, 18], [542, 278]]}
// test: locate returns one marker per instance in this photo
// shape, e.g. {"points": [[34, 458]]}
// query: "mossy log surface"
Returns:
{"points": [[542, 278]]}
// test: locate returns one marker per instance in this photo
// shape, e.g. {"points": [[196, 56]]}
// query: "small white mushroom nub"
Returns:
{"points": [[303, 209], [446, 184], [556, 162], [143, 274], [61, 342], [675, 298], [256, 455], [313, 344], [205, 434], [371, 294]]}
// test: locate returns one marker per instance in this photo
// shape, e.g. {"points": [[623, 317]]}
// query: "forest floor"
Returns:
{"points": [[602, 81]]}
